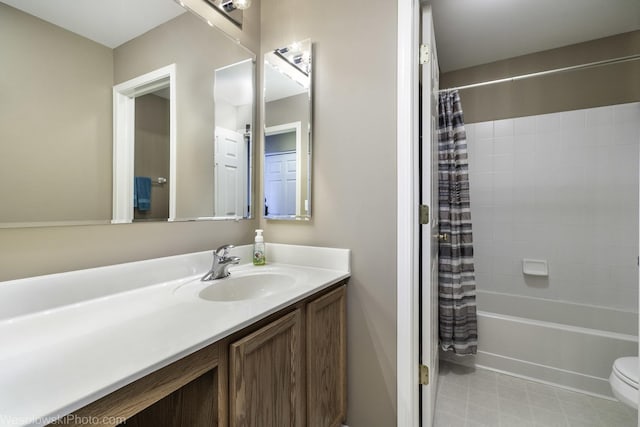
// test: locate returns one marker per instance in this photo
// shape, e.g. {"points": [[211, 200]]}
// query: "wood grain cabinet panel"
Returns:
{"points": [[266, 376], [326, 360]]}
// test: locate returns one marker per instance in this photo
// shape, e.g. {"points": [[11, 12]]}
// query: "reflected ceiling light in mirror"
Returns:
{"points": [[231, 9], [297, 55], [241, 4]]}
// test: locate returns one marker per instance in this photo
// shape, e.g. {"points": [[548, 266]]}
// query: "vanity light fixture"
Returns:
{"points": [[228, 6], [241, 4]]}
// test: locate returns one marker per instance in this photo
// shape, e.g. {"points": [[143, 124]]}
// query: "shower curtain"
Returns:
{"points": [[457, 286]]}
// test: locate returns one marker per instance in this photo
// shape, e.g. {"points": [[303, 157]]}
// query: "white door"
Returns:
{"points": [[429, 232], [280, 183], [230, 175]]}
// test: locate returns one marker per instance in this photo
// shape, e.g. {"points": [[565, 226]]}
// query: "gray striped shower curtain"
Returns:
{"points": [[457, 284]]}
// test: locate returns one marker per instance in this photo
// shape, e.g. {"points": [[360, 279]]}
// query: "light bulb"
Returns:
{"points": [[242, 4]]}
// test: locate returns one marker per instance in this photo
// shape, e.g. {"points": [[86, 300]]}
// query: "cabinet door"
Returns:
{"points": [[266, 383], [327, 360]]}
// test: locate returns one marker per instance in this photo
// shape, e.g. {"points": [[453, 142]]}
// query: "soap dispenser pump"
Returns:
{"points": [[259, 256]]}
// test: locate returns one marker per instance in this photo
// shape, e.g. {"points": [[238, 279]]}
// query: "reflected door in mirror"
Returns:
{"points": [[233, 95], [151, 164], [280, 185], [231, 190]]}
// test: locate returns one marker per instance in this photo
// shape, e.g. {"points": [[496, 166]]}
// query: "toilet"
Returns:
{"points": [[624, 380]]}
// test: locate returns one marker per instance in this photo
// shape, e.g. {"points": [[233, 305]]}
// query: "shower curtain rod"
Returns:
{"points": [[547, 72]]}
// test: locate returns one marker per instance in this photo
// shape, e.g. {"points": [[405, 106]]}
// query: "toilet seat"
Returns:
{"points": [[624, 380], [627, 370]]}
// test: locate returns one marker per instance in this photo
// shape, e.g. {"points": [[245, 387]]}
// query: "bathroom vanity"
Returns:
{"points": [[288, 369], [177, 354]]}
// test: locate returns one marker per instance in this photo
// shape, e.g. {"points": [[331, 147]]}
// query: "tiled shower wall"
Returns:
{"points": [[560, 187]]}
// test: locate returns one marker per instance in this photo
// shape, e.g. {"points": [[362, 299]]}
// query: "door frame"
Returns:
{"points": [[124, 116], [408, 186]]}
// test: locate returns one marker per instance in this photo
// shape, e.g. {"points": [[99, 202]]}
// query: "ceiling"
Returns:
{"points": [[468, 32], [234, 84], [474, 32], [280, 85], [108, 22]]}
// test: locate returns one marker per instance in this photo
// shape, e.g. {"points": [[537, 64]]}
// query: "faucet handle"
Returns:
{"points": [[224, 249]]}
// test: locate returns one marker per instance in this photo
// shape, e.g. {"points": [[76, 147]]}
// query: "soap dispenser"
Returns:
{"points": [[259, 255]]}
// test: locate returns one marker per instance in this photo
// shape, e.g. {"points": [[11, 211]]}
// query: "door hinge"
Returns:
{"points": [[424, 375], [424, 214], [424, 53]]}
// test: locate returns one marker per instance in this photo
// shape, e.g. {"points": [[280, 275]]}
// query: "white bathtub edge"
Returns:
{"points": [[553, 325]]}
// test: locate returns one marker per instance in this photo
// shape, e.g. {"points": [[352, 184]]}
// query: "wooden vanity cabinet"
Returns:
{"points": [[327, 359], [266, 381], [280, 379], [288, 370]]}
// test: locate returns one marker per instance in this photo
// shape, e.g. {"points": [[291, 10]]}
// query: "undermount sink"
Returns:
{"points": [[248, 286]]}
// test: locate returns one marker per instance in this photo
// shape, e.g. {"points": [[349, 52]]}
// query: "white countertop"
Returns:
{"points": [[57, 359]]}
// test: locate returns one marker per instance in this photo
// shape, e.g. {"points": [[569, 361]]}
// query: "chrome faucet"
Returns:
{"points": [[221, 263]]}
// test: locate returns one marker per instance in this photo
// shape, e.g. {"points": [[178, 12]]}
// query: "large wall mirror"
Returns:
{"points": [[287, 131], [122, 111]]}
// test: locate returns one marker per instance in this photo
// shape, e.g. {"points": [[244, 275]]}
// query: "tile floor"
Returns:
{"points": [[470, 397]]}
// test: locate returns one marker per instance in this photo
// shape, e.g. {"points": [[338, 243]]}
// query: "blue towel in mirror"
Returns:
{"points": [[142, 193]]}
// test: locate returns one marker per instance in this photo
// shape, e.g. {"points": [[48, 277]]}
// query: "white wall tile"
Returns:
{"points": [[504, 266], [484, 147], [626, 113], [601, 116], [503, 145], [470, 129], [503, 233], [605, 135], [626, 134], [574, 120], [561, 187], [524, 125], [483, 281], [503, 162], [548, 123], [484, 130], [503, 128], [524, 149], [481, 163]]}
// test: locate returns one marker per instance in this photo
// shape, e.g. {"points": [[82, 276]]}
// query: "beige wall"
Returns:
{"points": [[55, 123], [197, 51], [594, 87], [289, 110], [26, 252], [354, 172]]}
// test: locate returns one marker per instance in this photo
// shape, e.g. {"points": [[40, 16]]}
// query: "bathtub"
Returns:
{"points": [[561, 343]]}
